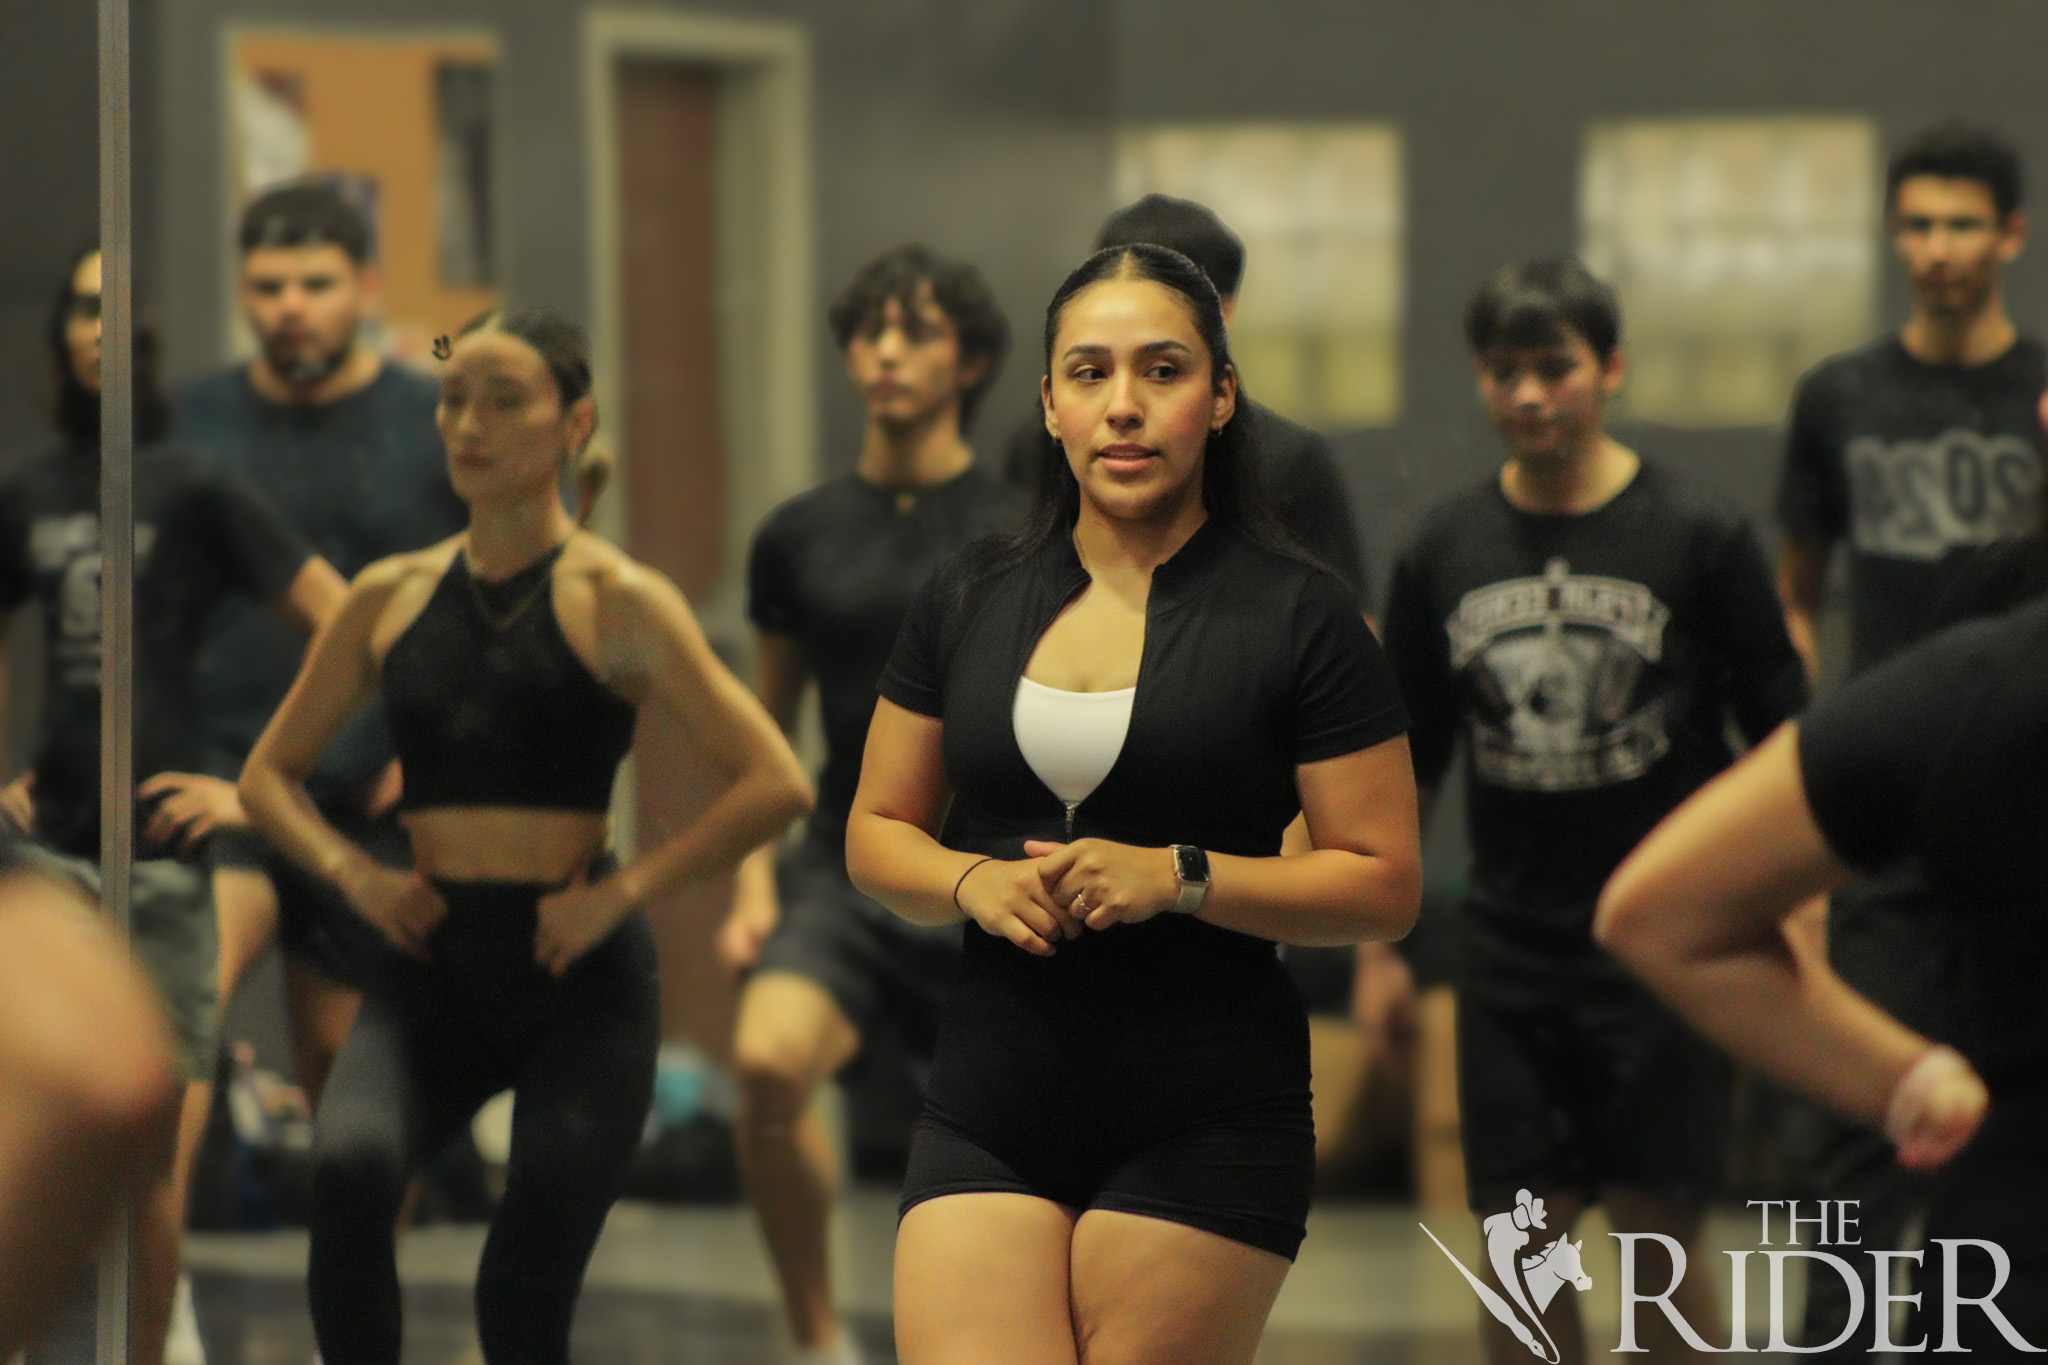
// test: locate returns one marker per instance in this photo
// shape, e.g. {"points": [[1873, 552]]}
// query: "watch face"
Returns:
{"points": [[1190, 863]]}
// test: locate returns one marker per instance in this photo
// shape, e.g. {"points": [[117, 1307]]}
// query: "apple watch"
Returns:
{"points": [[1191, 866]]}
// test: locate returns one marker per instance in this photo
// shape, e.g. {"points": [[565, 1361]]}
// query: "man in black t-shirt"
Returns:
{"points": [[1916, 451], [1589, 623], [832, 973], [201, 536], [345, 445]]}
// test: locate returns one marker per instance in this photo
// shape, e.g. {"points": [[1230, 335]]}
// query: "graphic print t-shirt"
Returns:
{"points": [[361, 478], [202, 536], [835, 569], [1590, 663], [1915, 466]]}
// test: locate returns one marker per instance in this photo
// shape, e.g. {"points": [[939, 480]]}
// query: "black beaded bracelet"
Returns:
{"points": [[963, 881]]}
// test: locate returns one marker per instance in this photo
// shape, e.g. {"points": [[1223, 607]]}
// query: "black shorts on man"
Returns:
{"points": [[1591, 663], [361, 478], [886, 975]]}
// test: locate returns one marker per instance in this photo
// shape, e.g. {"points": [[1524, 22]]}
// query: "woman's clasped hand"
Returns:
{"points": [[1058, 890]]}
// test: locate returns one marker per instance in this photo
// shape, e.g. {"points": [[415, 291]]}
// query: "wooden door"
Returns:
{"points": [[674, 471]]}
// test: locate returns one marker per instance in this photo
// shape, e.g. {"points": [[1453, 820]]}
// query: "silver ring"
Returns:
{"points": [[1079, 905]]}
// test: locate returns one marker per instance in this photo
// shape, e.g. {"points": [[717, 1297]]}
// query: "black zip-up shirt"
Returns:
{"points": [[1254, 662]]}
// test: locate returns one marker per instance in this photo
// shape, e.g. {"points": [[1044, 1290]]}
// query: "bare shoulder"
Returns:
{"points": [[390, 593], [618, 582], [383, 578]]}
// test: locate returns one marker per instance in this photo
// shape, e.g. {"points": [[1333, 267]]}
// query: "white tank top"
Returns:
{"points": [[1070, 739]]}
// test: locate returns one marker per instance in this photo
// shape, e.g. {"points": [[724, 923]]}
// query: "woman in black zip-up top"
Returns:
{"points": [[1114, 715]]}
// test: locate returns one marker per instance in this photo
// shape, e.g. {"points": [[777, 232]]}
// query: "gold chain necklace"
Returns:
{"points": [[498, 621]]}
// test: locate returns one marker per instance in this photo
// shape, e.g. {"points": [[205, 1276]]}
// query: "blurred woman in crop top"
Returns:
{"points": [[513, 661]]}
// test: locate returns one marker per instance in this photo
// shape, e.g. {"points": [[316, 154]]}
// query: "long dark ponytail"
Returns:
{"points": [[1232, 490]]}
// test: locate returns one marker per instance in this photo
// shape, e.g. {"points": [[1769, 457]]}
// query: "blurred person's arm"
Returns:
{"points": [[1383, 984], [16, 800], [1802, 586], [781, 674], [1698, 911], [88, 1101], [1813, 509], [189, 808]]}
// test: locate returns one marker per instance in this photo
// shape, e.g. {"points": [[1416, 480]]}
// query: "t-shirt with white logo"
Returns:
{"points": [[1915, 466], [202, 536], [1591, 663]]}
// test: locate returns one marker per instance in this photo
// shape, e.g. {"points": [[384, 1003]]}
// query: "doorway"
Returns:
{"points": [[702, 326]]}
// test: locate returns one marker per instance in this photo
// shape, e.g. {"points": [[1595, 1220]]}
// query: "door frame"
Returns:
{"points": [[764, 296]]}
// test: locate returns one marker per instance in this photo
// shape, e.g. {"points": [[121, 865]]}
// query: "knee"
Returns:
{"points": [[775, 1083]]}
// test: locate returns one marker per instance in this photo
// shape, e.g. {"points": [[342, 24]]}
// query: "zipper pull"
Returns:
{"points": [[1070, 820]]}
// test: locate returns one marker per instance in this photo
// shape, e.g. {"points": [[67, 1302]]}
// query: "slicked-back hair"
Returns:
{"points": [[1180, 225], [564, 348], [961, 292], [1959, 151], [304, 214], [1540, 302]]}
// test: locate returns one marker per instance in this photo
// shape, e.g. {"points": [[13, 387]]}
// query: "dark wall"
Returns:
{"points": [[977, 127], [49, 193], [1492, 97]]}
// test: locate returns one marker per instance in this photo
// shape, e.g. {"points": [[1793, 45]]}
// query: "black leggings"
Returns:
{"points": [[433, 1042]]}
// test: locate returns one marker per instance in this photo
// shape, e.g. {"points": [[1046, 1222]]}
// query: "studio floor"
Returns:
{"points": [[694, 1285]]}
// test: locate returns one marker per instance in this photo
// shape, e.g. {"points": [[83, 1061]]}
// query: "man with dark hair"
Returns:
{"points": [[202, 536], [1917, 450], [1590, 623], [831, 973], [1303, 484], [345, 446]]}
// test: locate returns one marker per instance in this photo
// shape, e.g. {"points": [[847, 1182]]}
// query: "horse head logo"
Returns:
{"points": [[1532, 1281]]}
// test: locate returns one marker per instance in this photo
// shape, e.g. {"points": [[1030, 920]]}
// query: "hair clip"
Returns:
{"points": [[443, 348]]}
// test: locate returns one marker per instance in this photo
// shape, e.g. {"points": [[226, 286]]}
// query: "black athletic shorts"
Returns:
{"points": [[1248, 1175], [315, 923], [1598, 1087], [886, 975], [1159, 1069]]}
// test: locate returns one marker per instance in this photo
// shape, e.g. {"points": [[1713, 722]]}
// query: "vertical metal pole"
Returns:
{"points": [[117, 565]]}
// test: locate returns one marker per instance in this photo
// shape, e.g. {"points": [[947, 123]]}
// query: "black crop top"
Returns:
{"points": [[489, 705]]}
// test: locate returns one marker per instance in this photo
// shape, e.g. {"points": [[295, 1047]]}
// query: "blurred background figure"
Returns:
{"points": [[829, 578], [1914, 453], [344, 444], [1595, 629], [89, 1098], [201, 537]]}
